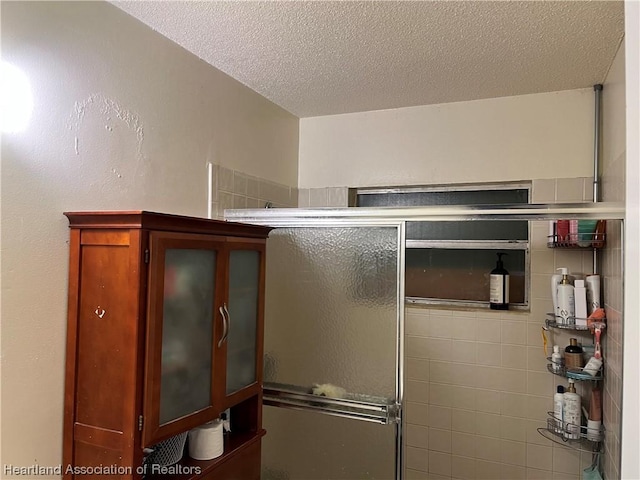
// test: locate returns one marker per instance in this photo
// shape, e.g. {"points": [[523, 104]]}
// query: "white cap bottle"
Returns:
{"points": [[558, 407], [566, 300], [556, 360], [571, 412]]}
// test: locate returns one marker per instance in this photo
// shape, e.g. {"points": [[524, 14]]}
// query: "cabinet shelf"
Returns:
{"points": [[189, 469]]}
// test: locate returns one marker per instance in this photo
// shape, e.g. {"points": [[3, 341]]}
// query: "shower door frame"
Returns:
{"points": [[398, 216]]}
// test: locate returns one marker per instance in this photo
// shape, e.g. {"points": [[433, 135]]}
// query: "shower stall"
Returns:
{"points": [[334, 330]]}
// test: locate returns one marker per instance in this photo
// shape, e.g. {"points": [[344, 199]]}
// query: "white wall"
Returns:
{"points": [[630, 446], [512, 138], [123, 119]]}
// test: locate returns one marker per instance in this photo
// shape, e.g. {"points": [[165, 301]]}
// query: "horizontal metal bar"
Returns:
{"points": [[283, 403], [383, 215], [467, 187], [453, 303], [470, 244], [376, 403], [375, 409]]}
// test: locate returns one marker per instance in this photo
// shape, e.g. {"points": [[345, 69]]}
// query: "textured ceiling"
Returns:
{"points": [[327, 57]]}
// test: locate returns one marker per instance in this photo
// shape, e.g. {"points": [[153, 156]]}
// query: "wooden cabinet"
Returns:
{"points": [[165, 331]]}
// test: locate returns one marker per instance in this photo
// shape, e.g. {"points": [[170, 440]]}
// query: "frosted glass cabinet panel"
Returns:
{"points": [[244, 284], [187, 332]]}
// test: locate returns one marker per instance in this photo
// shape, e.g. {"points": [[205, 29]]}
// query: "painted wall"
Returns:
{"points": [[123, 119], [512, 138]]}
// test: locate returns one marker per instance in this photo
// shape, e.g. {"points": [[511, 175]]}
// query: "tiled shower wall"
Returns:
{"points": [[233, 189], [477, 385], [613, 190]]}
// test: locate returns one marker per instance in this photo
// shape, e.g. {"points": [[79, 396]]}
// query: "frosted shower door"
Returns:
{"points": [[332, 312]]}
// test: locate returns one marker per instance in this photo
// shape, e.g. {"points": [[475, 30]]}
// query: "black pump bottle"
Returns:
{"points": [[499, 286]]}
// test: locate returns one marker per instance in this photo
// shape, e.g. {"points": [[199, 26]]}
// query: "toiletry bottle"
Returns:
{"points": [[573, 355], [566, 301], [552, 238], [586, 232], [562, 232], [571, 412], [573, 232], [556, 360], [593, 293], [598, 236], [558, 405], [555, 281], [499, 286], [593, 366], [580, 296], [594, 422]]}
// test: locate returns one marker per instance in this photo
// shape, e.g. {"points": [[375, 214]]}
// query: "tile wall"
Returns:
{"points": [[477, 385], [613, 190], [233, 190]]}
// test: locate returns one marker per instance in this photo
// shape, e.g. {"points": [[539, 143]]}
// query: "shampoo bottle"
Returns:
{"points": [[558, 405], [593, 293], [580, 295], [571, 412], [555, 281], [499, 286], [566, 300], [573, 355]]}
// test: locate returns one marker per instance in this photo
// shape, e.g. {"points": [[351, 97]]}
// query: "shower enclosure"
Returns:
{"points": [[334, 319]]}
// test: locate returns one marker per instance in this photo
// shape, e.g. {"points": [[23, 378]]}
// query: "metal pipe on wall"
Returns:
{"points": [[596, 157]]}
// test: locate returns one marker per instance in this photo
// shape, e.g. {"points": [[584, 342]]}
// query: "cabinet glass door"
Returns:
{"points": [[187, 332], [243, 308], [182, 366]]}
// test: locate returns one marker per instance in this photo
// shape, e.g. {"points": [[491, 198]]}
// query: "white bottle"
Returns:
{"points": [[571, 412], [593, 293], [566, 300], [556, 360], [580, 294], [555, 281], [558, 406], [593, 366]]}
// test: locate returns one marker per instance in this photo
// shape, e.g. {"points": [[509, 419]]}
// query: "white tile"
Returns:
{"points": [[543, 190], [417, 436], [318, 197], [303, 198], [239, 183], [440, 440], [569, 189], [337, 197], [439, 417], [440, 394]]}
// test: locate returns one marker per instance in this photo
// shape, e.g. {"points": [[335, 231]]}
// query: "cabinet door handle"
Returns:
{"points": [[225, 325], [226, 332]]}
